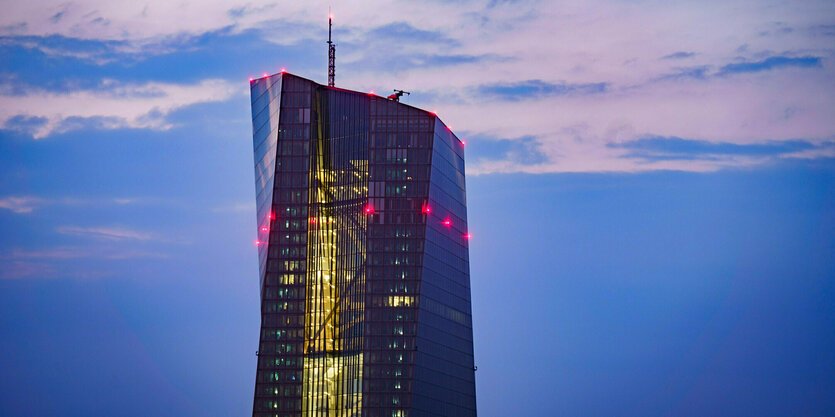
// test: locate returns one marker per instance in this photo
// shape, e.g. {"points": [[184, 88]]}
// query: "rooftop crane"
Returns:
{"points": [[397, 94]]}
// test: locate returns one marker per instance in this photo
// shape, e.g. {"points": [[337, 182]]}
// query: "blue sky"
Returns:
{"points": [[651, 191]]}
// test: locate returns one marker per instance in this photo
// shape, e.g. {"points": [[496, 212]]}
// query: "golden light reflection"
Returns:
{"points": [[334, 300]]}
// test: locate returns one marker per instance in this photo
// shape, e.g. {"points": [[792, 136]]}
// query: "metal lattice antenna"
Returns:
{"points": [[331, 53]]}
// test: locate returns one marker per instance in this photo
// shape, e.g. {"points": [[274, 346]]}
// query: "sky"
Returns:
{"points": [[651, 194]]}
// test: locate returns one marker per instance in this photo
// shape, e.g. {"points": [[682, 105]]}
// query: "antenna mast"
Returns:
{"points": [[331, 53]]}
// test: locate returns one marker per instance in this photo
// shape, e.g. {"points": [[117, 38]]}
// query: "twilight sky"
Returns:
{"points": [[651, 190]]}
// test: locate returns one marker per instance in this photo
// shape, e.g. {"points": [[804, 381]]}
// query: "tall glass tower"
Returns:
{"points": [[363, 255]]}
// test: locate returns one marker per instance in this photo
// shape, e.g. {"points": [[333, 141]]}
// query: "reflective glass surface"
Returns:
{"points": [[363, 249]]}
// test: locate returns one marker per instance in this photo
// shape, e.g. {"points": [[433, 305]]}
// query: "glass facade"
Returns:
{"points": [[365, 296]]}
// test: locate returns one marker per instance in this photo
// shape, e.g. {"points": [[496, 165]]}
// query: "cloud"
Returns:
{"points": [[537, 88], [26, 124], [575, 132], [28, 204], [121, 21], [236, 208], [771, 63], [20, 205], [23, 270], [575, 78], [248, 10], [110, 106], [402, 47], [76, 252], [62, 261], [703, 72], [118, 233], [404, 32], [679, 55], [104, 233], [97, 52], [671, 148], [524, 150], [695, 72], [827, 30], [123, 201]]}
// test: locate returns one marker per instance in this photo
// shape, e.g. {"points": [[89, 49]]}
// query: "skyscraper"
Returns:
{"points": [[363, 256]]}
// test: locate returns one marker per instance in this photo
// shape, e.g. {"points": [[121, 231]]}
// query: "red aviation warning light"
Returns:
{"points": [[426, 209], [266, 75], [447, 222], [265, 229], [312, 220], [468, 236], [272, 215], [258, 243], [369, 209], [283, 70]]}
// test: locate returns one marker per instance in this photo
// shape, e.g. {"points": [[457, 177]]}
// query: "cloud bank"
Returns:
{"points": [[110, 106], [579, 81]]}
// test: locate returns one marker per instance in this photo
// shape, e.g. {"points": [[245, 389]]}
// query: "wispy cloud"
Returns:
{"points": [[105, 233], [56, 46], [403, 31], [16, 269], [699, 72], [63, 261], [661, 148], [679, 55], [28, 204], [112, 105], [771, 63], [577, 77], [529, 89], [524, 150], [76, 252], [237, 207], [20, 204]]}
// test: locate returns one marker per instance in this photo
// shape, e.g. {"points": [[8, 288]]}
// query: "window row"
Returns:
{"points": [[283, 319], [273, 293], [274, 278], [269, 306], [393, 287], [381, 122], [395, 258], [294, 115], [395, 230], [291, 238], [293, 132], [390, 328], [387, 371], [411, 171], [392, 301], [269, 362], [400, 156], [400, 139], [277, 265], [288, 251], [283, 390], [270, 348]]}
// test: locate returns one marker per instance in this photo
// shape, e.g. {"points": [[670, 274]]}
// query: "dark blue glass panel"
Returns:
{"points": [[265, 93], [444, 367]]}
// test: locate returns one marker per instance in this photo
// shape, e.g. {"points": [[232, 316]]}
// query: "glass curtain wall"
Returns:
{"points": [[365, 297]]}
